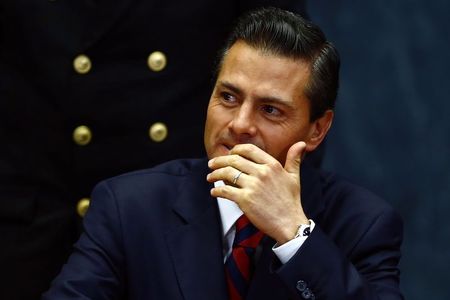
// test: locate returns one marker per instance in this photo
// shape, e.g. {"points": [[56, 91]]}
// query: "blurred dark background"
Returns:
{"points": [[392, 131]]}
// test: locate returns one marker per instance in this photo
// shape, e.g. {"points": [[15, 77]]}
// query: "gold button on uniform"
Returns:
{"points": [[157, 61], [158, 132], [83, 206], [82, 135], [82, 64]]}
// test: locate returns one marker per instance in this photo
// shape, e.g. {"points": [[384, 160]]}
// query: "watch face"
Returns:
{"points": [[306, 231], [303, 230]]}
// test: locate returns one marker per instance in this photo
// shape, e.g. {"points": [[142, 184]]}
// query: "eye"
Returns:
{"points": [[271, 110], [227, 97]]}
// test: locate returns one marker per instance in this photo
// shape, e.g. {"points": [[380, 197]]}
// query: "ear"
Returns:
{"points": [[318, 131]]}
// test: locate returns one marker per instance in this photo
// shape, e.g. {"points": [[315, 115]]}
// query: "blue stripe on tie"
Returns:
{"points": [[236, 277], [245, 233], [250, 252]]}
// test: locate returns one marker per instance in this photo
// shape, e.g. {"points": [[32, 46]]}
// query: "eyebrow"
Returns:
{"points": [[265, 99], [231, 87]]}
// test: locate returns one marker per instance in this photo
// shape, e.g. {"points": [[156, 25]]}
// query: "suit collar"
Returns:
{"points": [[196, 246], [194, 195]]}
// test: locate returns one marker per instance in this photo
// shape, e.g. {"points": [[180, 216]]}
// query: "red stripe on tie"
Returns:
{"points": [[243, 262], [252, 241], [239, 265], [232, 292], [241, 222]]}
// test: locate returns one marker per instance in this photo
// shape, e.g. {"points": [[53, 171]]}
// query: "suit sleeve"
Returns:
{"points": [[97, 260], [320, 269]]}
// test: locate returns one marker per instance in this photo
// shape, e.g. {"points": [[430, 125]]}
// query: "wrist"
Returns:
{"points": [[294, 230]]}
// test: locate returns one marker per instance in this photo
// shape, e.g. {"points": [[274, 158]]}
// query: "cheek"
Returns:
{"points": [[278, 142], [217, 118], [209, 125], [214, 123], [280, 148]]}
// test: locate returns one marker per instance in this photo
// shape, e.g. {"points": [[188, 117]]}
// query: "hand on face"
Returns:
{"points": [[267, 192]]}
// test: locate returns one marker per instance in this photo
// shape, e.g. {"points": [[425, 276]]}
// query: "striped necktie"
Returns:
{"points": [[239, 265]]}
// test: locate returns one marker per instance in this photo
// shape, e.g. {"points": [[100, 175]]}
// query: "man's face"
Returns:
{"points": [[258, 99]]}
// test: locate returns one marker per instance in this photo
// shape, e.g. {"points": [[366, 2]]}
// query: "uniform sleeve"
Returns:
{"points": [[97, 260], [320, 270]]}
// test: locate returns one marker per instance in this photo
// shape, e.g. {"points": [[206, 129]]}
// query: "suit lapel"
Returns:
{"points": [[196, 246], [265, 284]]}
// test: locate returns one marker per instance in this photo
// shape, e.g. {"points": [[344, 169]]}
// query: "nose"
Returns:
{"points": [[243, 124]]}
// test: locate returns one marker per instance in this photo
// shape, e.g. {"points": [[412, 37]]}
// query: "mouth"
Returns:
{"points": [[228, 146]]}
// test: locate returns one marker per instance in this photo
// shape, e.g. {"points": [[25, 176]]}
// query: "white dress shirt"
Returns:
{"points": [[230, 212]]}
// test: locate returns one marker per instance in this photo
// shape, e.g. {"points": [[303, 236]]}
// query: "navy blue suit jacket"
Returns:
{"points": [[156, 234]]}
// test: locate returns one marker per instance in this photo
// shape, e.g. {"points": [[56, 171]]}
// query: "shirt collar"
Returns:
{"points": [[229, 211]]}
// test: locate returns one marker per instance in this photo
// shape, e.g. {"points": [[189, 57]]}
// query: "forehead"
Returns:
{"points": [[255, 70]]}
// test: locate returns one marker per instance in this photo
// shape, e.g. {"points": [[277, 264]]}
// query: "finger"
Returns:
{"points": [[228, 174], [236, 161], [294, 157], [226, 191], [253, 153]]}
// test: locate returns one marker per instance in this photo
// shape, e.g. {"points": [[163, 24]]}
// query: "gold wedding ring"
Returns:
{"points": [[236, 177]]}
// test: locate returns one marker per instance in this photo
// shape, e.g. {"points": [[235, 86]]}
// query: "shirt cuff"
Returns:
{"points": [[286, 251]]}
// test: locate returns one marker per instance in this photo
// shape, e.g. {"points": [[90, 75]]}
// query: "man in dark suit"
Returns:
{"points": [[174, 231], [90, 89]]}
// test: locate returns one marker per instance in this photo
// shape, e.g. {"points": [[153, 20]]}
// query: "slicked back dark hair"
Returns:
{"points": [[286, 34]]}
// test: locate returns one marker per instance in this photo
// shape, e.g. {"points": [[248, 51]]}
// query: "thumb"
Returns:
{"points": [[294, 157]]}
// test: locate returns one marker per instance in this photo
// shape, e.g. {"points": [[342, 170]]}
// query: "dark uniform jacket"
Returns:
{"points": [[90, 89], [157, 234]]}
